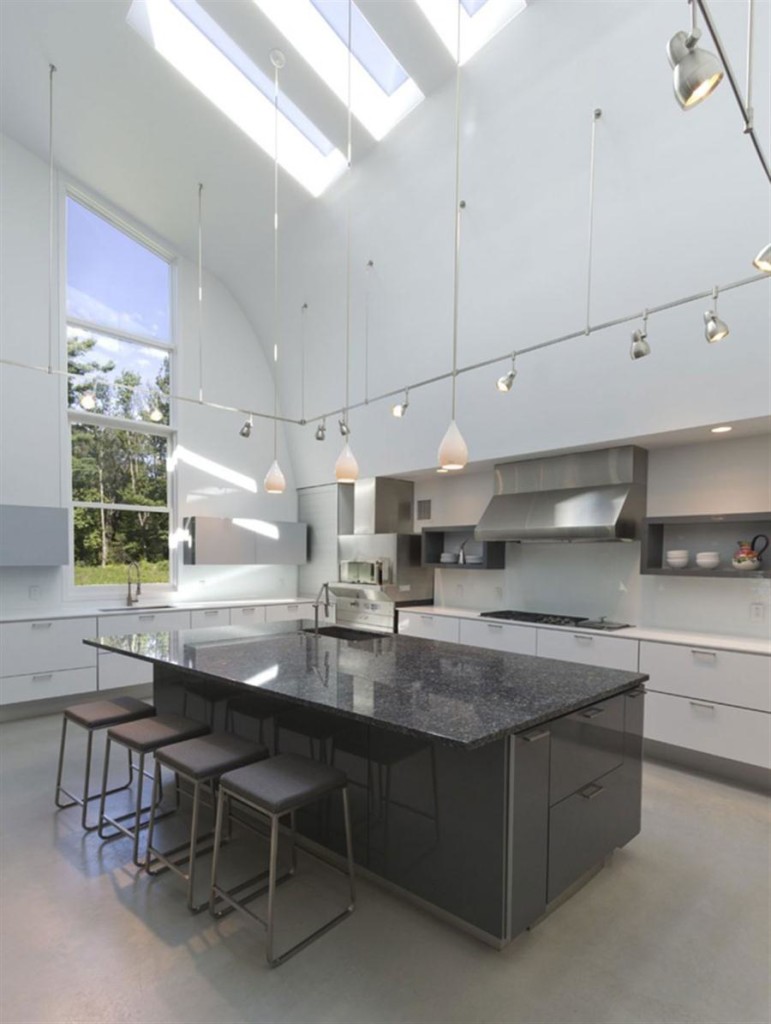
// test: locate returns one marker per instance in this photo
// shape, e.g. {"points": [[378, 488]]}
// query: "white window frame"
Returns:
{"points": [[112, 593]]}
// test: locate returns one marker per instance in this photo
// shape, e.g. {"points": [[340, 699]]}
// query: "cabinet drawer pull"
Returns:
{"points": [[701, 704], [41, 678], [146, 618], [212, 611], [247, 611], [591, 791], [592, 712], [533, 737], [583, 636], [703, 654], [42, 625], [427, 618], [494, 625], [292, 607]]}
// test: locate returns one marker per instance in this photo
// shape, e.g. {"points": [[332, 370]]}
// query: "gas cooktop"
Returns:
{"points": [[552, 619]]}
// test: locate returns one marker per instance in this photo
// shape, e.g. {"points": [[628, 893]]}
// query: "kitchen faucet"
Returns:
{"points": [[324, 589], [129, 599]]}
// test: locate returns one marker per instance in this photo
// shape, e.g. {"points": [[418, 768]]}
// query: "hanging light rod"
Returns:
{"points": [[744, 106]]}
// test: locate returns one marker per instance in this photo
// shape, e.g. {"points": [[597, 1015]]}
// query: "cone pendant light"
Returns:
{"points": [[275, 482], [453, 451], [346, 467]]}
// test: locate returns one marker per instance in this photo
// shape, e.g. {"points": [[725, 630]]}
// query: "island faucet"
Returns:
{"points": [[324, 589], [129, 599]]}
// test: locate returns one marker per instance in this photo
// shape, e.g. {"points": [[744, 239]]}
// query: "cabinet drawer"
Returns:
{"points": [[282, 612], [142, 622], [733, 733], [430, 627], [210, 617], [45, 645], [728, 677], [584, 828], [585, 745], [248, 615], [118, 670], [497, 636], [588, 649], [40, 685]]}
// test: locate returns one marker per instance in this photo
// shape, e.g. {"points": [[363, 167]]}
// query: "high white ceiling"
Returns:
{"points": [[130, 128]]}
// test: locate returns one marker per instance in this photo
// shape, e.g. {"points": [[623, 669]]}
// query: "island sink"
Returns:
{"points": [[346, 633]]}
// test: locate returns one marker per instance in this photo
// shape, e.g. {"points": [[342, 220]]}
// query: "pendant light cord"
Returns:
{"points": [[51, 72], [275, 261], [348, 229], [596, 115], [200, 292], [370, 265], [456, 267], [303, 311]]}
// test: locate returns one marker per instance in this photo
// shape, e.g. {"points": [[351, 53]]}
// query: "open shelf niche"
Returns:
{"points": [[436, 539], [719, 533]]}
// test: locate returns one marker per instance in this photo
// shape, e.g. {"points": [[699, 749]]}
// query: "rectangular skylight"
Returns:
{"points": [[209, 59], [318, 30], [480, 21]]}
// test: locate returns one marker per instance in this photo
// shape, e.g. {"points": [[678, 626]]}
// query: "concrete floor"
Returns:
{"points": [[675, 929]]}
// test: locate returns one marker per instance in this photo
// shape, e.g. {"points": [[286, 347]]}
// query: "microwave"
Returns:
{"points": [[375, 571]]}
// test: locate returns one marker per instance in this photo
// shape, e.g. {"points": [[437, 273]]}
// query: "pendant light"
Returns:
{"points": [[763, 260], [346, 467], [453, 451], [696, 72], [275, 482], [715, 329]]}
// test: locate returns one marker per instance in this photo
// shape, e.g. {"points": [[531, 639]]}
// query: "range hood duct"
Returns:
{"points": [[382, 504], [586, 496]]}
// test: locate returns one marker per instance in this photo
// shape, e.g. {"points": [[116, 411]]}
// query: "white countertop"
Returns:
{"points": [[90, 609], [686, 638]]}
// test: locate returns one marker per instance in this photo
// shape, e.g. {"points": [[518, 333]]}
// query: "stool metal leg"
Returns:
{"points": [[272, 864], [83, 801]]}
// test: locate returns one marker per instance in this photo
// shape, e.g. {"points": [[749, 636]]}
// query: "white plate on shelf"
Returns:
{"points": [[448, 558]]}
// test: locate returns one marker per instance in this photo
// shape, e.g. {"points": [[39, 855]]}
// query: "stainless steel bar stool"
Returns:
{"points": [[201, 762], [141, 738], [274, 788], [94, 716]]}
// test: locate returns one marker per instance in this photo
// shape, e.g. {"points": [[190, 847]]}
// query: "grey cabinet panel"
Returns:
{"points": [[33, 535], [244, 541], [585, 745], [529, 828]]}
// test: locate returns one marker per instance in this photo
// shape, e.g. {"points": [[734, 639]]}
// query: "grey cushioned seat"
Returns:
{"points": [[99, 714], [210, 756], [283, 783], [149, 734]]}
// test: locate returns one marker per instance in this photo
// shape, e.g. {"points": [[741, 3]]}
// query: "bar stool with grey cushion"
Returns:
{"points": [[201, 761], [142, 738], [274, 788], [94, 716]]}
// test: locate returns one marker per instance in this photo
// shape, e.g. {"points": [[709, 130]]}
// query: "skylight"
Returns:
{"points": [[480, 21], [381, 91], [209, 59]]}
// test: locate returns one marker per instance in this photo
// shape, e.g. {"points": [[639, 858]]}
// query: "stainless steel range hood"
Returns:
{"points": [[585, 496]]}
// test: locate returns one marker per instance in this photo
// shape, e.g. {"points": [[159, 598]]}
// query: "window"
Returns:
{"points": [[481, 20], [118, 293]]}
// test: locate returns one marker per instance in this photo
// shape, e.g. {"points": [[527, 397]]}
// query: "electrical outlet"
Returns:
{"points": [[34, 593], [459, 589], [499, 592], [757, 612]]}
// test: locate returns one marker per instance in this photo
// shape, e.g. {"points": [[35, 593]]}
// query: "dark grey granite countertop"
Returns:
{"points": [[455, 694]]}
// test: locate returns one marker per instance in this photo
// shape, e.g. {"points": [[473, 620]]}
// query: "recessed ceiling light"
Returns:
{"points": [[721, 430], [381, 90], [192, 42], [480, 21]]}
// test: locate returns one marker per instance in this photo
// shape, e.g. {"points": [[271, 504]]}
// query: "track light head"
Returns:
{"points": [[87, 401], [400, 408], [640, 347], [321, 431], [505, 382], [763, 260], [715, 329], [344, 428], [696, 72], [246, 428]]}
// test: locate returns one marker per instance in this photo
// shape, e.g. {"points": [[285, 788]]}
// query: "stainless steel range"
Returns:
{"points": [[552, 619]]}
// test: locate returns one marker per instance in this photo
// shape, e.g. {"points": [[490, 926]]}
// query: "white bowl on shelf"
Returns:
{"points": [[449, 558], [474, 559], [708, 559], [677, 559]]}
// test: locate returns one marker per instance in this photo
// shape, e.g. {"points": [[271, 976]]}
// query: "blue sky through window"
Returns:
{"points": [[113, 280], [472, 6], [367, 46]]}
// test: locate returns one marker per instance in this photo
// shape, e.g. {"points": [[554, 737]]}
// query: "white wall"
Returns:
{"points": [[681, 203], [722, 475], [33, 420]]}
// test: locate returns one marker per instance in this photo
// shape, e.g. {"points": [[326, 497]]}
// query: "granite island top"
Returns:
{"points": [[465, 696]]}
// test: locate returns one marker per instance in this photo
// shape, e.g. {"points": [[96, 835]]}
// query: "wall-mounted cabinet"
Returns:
{"points": [[33, 535], [459, 541], [213, 541], [720, 533]]}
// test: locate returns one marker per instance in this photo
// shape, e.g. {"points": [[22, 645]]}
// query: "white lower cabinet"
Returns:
{"points": [[247, 615], [46, 645], [143, 622], [284, 612], [498, 636], [116, 670], [588, 649], [201, 618], [727, 677], [718, 729], [41, 685], [430, 627]]}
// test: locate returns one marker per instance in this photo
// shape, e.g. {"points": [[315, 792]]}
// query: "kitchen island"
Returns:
{"points": [[485, 785]]}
